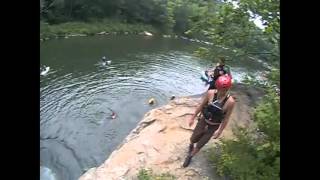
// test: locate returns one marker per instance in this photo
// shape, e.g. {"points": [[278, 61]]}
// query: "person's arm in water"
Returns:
{"points": [[225, 121], [200, 107]]}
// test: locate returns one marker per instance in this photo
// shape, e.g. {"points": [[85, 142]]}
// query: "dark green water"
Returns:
{"points": [[76, 95]]}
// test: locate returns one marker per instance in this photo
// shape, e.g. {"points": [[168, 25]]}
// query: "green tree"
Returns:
{"points": [[255, 154]]}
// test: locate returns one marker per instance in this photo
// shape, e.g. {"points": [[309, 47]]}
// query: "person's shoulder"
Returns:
{"points": [[211, 92], [231, 101]]}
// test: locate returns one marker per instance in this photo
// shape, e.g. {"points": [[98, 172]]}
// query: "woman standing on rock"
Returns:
{"points": [[216, 108]]}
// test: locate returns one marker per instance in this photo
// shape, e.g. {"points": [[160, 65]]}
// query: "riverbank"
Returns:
{"points": [[105, 27], [160, 141]]}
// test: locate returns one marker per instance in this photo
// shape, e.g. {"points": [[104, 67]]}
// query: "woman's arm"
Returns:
{"points": [[200, 107]]}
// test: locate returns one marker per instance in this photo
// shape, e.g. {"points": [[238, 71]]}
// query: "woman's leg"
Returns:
{"points": [[198, 131], [204, 138]]}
